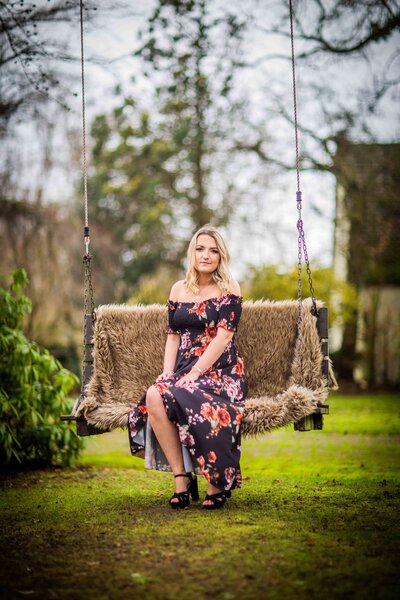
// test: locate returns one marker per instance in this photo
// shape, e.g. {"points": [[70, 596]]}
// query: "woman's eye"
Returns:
{"points": [[200, 249]]}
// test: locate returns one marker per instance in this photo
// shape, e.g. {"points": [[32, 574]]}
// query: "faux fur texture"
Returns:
{"points": [[128, 356]]}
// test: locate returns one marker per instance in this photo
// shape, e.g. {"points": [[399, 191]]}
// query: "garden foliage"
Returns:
{"points": [[34, 391]]}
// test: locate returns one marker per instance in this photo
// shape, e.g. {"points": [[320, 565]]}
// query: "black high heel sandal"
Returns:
{"points": [[218, 500], [183, 497]]}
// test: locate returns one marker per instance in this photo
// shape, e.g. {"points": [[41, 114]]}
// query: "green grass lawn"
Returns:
{"points": [[317, 517]]}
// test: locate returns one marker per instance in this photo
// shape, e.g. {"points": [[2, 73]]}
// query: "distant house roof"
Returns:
{"points": [[369, 175]]}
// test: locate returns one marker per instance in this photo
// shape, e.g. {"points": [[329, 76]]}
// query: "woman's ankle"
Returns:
{"points": [[181, 483], [211, 489], [178, 471]]}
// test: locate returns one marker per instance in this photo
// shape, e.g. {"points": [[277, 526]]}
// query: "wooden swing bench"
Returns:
{"points": [[124, 354]]}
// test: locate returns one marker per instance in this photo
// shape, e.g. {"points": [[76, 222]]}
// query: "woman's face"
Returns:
{"points": [[207, 255]]}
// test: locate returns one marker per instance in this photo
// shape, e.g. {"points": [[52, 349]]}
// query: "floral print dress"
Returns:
{"points": [[207, 411]]}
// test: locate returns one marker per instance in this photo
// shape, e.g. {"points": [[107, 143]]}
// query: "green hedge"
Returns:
{"points": [[34, 389]]}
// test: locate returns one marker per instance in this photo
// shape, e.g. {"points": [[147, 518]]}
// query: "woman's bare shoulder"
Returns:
{"points": [[234, 287], [176, 289]]}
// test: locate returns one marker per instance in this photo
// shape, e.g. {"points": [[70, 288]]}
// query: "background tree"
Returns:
{"points": [[37, 91], [271, 282], [154, 172], [130, 191], [197, 50], [43, 241], [30, 59], [360, 38]]}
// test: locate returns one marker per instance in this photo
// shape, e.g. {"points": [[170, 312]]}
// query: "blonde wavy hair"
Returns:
{"points": [[221, 276]]}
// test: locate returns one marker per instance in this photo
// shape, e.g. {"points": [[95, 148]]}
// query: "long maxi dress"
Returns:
{"points": [[208, 411]]}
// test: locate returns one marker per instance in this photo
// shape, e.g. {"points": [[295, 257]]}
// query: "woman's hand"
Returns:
{"points": [[191, 376], [164, 376]]}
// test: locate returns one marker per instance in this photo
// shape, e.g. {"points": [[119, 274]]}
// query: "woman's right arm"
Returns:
{"points": [[171, 350], [172, 343]]}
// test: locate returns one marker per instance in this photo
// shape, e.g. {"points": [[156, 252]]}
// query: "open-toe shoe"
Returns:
{"points": [[183, 497]]}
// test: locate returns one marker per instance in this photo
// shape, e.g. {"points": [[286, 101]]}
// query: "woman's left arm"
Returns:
{"points": [[211, 354], [214, 350]]}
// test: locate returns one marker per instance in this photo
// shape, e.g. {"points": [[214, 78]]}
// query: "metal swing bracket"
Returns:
{"points": [[315, 420]]}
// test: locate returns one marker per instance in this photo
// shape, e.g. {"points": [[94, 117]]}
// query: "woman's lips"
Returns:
{"points": [[204, 263]]}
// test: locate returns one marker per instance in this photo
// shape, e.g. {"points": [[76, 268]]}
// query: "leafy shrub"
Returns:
{"points": [[33, 392]]}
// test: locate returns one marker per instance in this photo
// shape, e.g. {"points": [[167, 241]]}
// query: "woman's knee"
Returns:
{"points": [[153, 399]]}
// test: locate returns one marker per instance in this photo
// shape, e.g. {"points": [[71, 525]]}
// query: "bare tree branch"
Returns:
{"points": [[374, 21]]}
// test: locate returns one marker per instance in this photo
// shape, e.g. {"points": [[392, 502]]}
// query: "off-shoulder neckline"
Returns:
{"points": [[206, 299]]}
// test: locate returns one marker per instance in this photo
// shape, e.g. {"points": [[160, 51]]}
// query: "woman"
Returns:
{"points": [[195, 406]]}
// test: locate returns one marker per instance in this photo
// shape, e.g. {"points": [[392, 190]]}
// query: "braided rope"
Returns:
{"points": [[85, 193], [88, 302]]}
